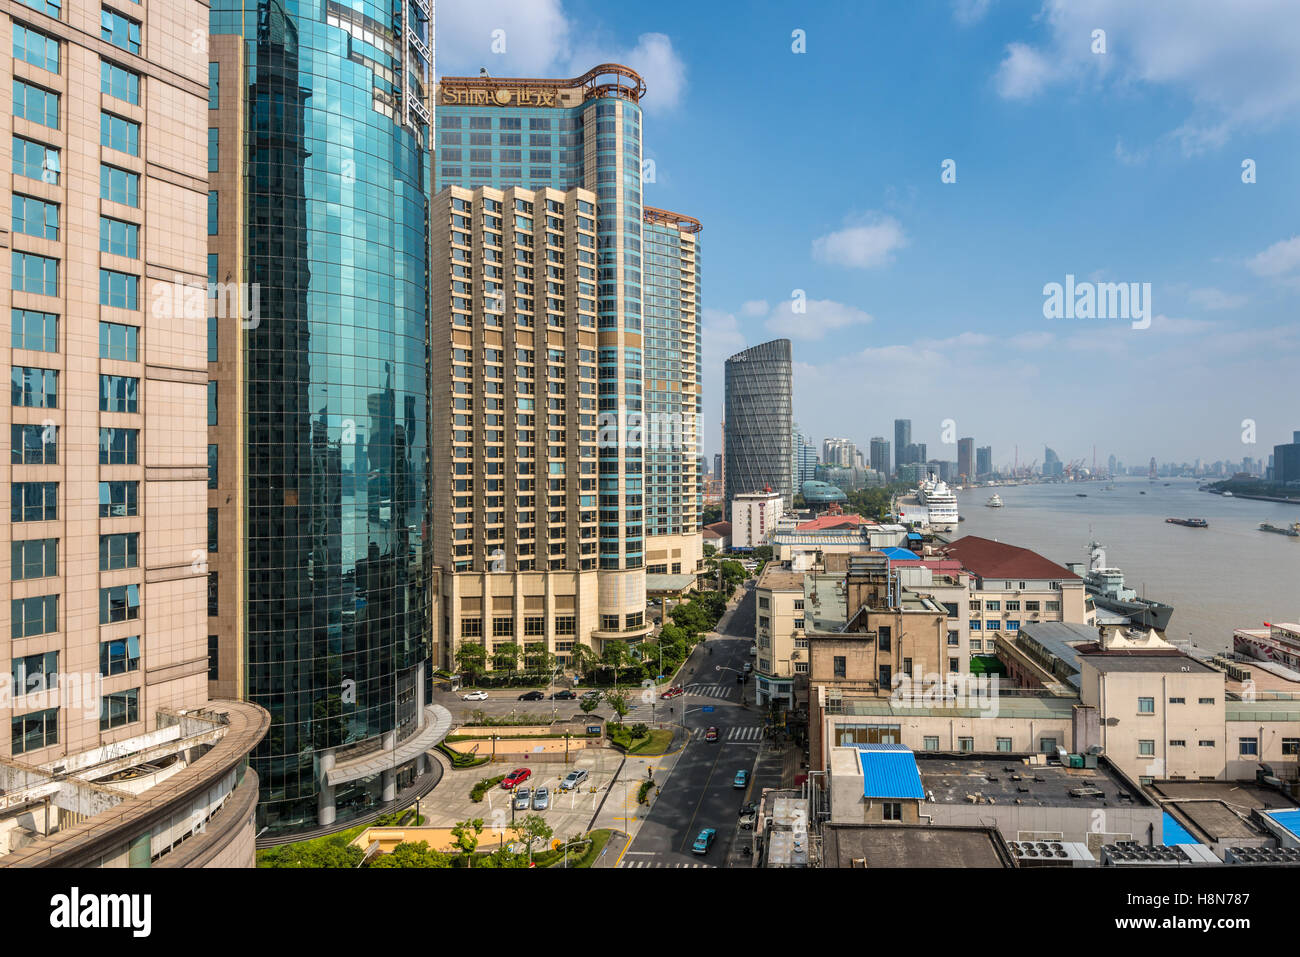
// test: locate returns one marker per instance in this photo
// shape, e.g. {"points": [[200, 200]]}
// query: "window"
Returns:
{"points": [[1177, 743], [38, 558], [534, 626], [1053, 606], [36, 48], [953, 668], [214, 150], [38, 274], [1205, 743], [33, 445], [214, 86], [40, 729], [35, 217], [1012, 624], [119, 185], [212, 466], [119, 603], [609, 622], [1004, 744], [34, 616], [119, 237], [36, 104], [119, 82], [993, 606], [214, 596], [36, 673], [886, 676], [566, 625], [1146, 705], [36, 160], [1247, 746], [954, 639], [764, 603], [965, 744], [213, 216], [119, 551], [118, 341], [1178, 701], [471, 627], [1047, 745], [118, 499], [798, 623], [1205, 701], [119, 31], [34, 330], [503, 627], [214, 650], [119, 655], [212, 529], [119, 446], [117, 393], [1146, 747], [118, 133], [931, 743], [212, 402], [892, 810], [118, 289], [1291, 746], [885, 637], [119, 708], [34, 388], [34, 501], [841, 666]]}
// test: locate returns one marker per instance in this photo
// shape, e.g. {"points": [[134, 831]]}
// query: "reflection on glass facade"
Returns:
{"points": [[336, 207], [759, 421]]}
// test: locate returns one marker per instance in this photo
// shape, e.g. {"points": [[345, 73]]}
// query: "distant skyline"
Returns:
{"points": [[817, 177]]}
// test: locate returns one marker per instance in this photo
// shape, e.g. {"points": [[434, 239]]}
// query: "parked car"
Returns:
{"points": [[673, 692], [753, 651], [711, 734], [541, 799], [474, 696], [702, 843], [573, 779], [741, 779], [591, 696], [564, 696], [517, 776], [523, 798], [531, 696], [747, 821], [749, 666]]}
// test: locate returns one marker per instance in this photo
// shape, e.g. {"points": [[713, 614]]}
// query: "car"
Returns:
{"points": [[747, 809], [573, 779], [741, 779], [541, 799], [753, 651], [591, 696], [673, 692], [531, 696], [474, 696], [564, 696], [749, 666], [517, 776], [523, 798], [711, 734], [701, 845], [747, 821]]}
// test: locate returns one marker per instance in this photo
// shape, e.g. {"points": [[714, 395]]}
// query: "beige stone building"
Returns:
{"points": [[780, 639]]}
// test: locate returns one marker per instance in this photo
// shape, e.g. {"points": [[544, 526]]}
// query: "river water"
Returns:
{"points": [[1230, 575]]}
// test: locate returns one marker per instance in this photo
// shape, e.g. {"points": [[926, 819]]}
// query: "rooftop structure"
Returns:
{"points": [[987, 558], [911, 845]]}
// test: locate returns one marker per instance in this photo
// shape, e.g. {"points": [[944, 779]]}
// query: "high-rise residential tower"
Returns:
{"points": [[537, 134], [880, 454], [104, 563], [965, 459], [319, 125], [984, 461], [759, 396], [902, 441]]}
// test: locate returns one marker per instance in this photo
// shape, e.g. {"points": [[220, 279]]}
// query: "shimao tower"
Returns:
{"points": [[544, 309], [320, 125]]}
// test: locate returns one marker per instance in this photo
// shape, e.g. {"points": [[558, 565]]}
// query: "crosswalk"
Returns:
{"points": [[627, 863], [711, 691], [752, 733]]}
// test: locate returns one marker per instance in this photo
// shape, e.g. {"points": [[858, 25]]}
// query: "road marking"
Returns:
{"points": [[703, 792]]}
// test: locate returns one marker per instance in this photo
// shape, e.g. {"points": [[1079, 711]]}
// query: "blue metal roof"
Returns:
{"points": [[915, 536], [1175, 833], [1288, 819], [889, 771], [896, 554]]}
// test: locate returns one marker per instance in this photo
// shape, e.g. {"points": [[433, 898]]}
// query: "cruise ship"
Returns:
{"points": [[940, 503], [1105, 584]]}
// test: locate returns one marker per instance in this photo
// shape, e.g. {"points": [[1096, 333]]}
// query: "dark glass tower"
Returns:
{"points": [[329, 443], [759, 420]]}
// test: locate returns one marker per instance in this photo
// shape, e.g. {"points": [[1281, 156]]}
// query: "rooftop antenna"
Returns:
{"points": [[482, 71]]}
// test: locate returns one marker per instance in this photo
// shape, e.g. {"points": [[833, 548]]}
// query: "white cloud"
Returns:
{"points": [[1237, 63], [1130, 157], [1215, 299], [539, 40], [1030, 341], [755, 307], [821, 316], [967, 12], [1280, 258], [864, 246]]}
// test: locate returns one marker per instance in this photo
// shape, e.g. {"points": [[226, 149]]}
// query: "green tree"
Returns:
{"points": [[763, 553], [409, 854], [466, 834], [582, 658], [538, 660], [709, 551], [588, 705], [472, 660], [616, 656], [330, 852], [691, 618], [618, 701], [532, 829], [505, 657]]}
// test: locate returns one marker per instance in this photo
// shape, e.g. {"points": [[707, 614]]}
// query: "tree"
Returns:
{"points": [[763, 553], [588, 705], [616, 656], [410, 854], [582, 658], [324, 852], [472, 660], [505, 657], [691, 618], [466, 834], [532, 829], [537, 659], [709, 551], [618, 701], [733, 573]]}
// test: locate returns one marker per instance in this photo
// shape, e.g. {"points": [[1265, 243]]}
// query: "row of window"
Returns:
{"points": [[40, 729], [40, 274], [39, 614]]}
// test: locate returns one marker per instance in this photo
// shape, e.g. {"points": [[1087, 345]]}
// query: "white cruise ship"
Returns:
{"points": [[940, 502]]}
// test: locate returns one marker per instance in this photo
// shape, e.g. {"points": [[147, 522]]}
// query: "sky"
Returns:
{"points": [[894, 186]]}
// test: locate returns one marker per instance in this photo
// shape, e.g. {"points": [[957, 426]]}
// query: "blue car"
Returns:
{"points": [[702, 842], [742, 778]]}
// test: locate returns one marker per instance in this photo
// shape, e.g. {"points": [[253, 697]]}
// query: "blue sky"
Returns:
{"points": [[821, 171]]}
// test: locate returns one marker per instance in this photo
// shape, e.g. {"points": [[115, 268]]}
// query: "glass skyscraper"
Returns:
{"points": [[318, 426], [759, 421]]}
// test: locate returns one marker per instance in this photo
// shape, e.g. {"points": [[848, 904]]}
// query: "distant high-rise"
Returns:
{"points": [[1052, 465], [966, 459], [1286, 461], [717, 465], [841, 453], [759, 415], [805, 459], [902, 439], [1110, 465], [916, 454], [984, 460], [880, 454]]}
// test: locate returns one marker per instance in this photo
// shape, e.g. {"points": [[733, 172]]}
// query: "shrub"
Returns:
{"points": [[478, 791]]}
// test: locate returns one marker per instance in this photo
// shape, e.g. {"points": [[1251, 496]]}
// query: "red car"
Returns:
{"points": [[672, 692], [517, 776], [711, 734]]}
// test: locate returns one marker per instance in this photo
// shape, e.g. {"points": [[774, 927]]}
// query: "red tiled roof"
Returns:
{"points": [[722, 529], [833, 521], [989, 559]]}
